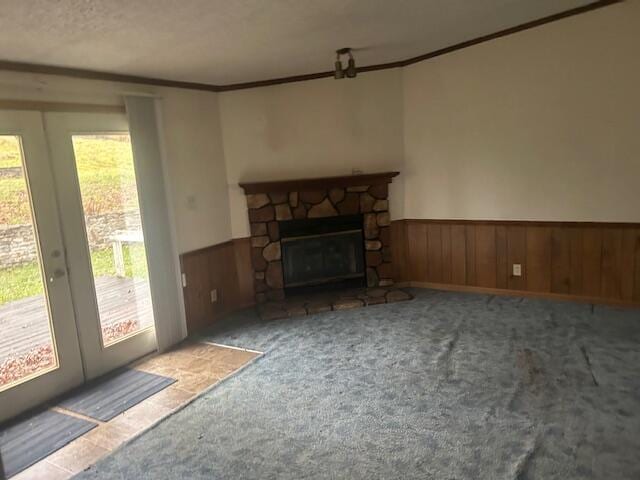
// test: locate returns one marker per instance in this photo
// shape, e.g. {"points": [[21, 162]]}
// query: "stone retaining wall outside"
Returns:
{"points": [[17, 242]]}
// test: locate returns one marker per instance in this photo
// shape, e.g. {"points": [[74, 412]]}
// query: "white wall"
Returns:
{"points": [[193, 144], [540, 125], [193, 140], [312, 129]]}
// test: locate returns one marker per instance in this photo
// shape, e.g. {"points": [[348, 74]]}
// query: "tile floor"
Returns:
{"points": [[196, 366]]}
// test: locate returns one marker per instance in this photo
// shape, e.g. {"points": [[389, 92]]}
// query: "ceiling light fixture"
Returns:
{"points": [[351, 71]]}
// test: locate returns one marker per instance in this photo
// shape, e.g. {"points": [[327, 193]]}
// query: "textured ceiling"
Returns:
{"points": [[231, 41]]}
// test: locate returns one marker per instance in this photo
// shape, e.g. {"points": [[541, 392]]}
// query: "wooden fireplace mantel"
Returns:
{"points": [[322, 183]]}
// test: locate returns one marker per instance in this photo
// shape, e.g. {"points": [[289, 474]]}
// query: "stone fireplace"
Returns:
{"points": [[352, 246]]}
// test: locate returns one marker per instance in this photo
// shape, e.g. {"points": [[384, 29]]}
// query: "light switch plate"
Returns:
{"points": [[214, 295], [192, 202], [517, 270]]}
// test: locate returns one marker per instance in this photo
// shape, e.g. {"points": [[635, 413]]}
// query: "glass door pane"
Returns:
{"points": [[27, 347], [107, 181]]}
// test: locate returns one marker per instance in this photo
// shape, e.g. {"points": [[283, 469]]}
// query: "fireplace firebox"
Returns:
{"points": [[323, 253]]}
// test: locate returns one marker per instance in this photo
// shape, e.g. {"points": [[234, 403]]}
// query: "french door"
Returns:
{"points": [[75, 296], [39, 350], [94, 169]]}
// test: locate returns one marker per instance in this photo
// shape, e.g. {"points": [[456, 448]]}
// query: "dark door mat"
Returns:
{"points": [[112, 394], [30, 439]]}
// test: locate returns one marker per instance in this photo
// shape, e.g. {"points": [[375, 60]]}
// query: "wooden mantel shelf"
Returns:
{"points": [[322, 183]]}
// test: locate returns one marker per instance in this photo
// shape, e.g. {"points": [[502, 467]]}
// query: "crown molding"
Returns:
{"points": [[117, 77]]}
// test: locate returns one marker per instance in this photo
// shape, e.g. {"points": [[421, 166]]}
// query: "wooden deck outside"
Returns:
{"points": [[24, 324]]}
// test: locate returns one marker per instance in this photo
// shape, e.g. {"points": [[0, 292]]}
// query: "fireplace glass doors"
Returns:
{"points": [[322, 253]]}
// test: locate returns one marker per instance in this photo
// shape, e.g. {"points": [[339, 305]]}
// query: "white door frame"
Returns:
{"points": [[69, 373]]}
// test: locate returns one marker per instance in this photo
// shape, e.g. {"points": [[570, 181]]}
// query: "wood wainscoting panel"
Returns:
{"points": [[197, 307], [399, 251], [561, 260], [502, 258], [417, 251], [223, 277], [470, 254], [517, 254], [575, 280], [636, 283], [593, 261], [486, 256], [245, 296], [445, 234], [225, 268], [434, 253], [611, 286], [538, 259], [458, 255], [630, 261]]}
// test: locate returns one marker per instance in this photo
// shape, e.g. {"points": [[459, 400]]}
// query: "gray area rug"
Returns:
{"points": [[447, 386], [33, 437], [112, 394]]}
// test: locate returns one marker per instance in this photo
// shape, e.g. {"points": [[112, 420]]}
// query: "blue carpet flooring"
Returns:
{"points": [[447, 386]]}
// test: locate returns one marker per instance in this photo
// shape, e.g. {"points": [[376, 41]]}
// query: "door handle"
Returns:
{"points": [[57, 273]]}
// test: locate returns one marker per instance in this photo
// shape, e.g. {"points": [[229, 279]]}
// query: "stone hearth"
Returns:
{"points": [[301, 305], [272, 202]]}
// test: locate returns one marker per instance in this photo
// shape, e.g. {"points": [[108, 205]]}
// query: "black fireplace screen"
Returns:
{"points": [[323, 251]]}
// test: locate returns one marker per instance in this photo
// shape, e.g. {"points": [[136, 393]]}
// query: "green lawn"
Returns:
{"points": [[105, 171], [9, 152], [14, 200], [25, 280]]}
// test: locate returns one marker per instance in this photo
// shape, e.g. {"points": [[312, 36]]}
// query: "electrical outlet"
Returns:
{"points": [[517, 270], [214, 295]]}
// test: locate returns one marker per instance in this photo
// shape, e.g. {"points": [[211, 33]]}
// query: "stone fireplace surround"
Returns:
{"points": [[271, 202]]}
